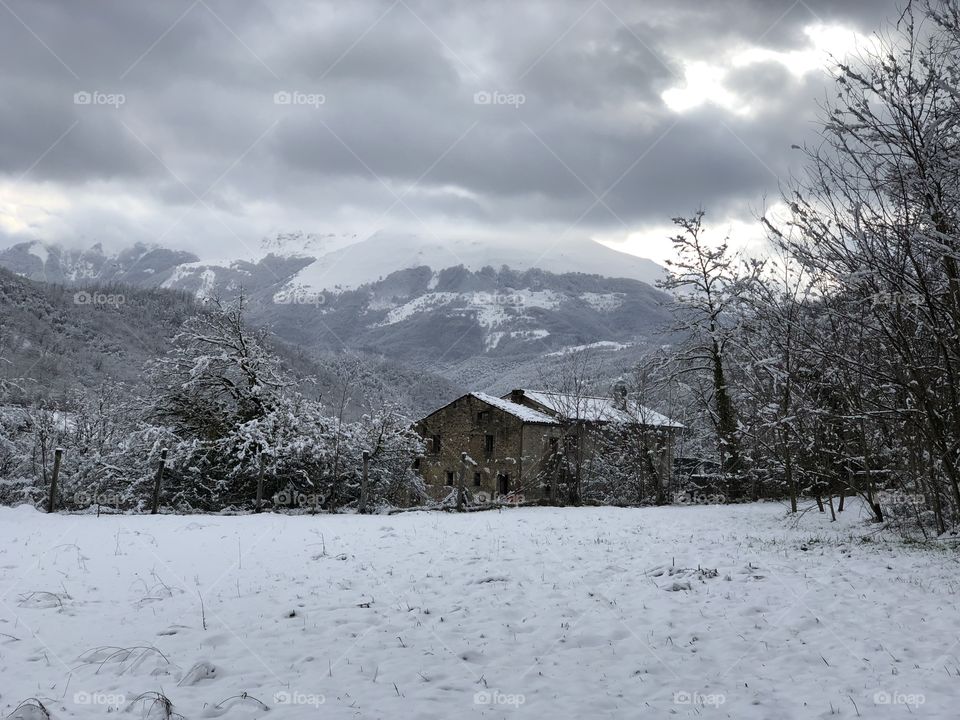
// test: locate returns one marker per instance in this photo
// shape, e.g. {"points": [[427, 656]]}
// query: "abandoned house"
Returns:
{"points": [[528, 444]]}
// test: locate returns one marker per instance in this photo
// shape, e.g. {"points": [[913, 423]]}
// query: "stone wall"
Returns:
{"points": [[515, 462]]}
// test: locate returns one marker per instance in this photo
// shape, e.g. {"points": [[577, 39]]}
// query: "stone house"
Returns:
{"points": [[512, 443]]}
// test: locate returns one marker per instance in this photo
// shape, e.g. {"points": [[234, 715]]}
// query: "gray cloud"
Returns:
{"points": [[398, 83]]}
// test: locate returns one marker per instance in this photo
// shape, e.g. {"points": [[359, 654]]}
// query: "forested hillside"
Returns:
{"points": [[56, 339]]}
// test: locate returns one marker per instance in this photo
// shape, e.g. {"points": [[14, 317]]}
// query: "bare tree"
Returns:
{"points": [[572, 386], [875, 220], [707, 282]]}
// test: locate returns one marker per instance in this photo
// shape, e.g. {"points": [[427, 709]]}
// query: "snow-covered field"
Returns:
{"points": [[703, 611]]}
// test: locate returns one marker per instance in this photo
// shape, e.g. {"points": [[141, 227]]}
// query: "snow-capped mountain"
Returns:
{"points": [[485, 328], [317, 262], [476, 310], [139, 264], [313, 245], [383, 253]]}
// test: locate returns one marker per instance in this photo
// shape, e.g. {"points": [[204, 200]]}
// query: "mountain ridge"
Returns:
{"points": [[474, 327], [317, 262]]}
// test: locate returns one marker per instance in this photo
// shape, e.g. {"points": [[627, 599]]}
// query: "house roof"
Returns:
{"points": [[597, 409], [558, 405], [522, 412]]}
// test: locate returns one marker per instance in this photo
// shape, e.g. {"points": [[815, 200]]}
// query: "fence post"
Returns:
{"points": [[52, 500], [364, 480], [263, 469], [461, 490], [155, 505]]}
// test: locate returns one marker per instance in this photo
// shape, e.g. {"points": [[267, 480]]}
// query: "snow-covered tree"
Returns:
{"points": [[708, 281]]}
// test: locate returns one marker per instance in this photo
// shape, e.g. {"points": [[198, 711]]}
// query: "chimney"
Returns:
{"points": [[620, 396], [516, 396]]}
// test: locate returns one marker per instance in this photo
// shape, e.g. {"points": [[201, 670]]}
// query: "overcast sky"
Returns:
{"points": [[210, 124]]}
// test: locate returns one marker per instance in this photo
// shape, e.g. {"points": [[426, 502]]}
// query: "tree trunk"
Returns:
{"points": [[788, 477], [263, 469], [52, 500], [555, 478], [155, 505], [726, 419], [363, 482]]}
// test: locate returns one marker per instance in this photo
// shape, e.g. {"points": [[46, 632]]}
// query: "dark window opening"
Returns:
{"points": [[416, 464], [488, 443], [449, 477], [435, 444], [503, 481], [483, 416], [476, 479]]}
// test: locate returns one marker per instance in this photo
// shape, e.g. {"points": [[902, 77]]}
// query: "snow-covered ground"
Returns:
{"points": [[702, 611]]}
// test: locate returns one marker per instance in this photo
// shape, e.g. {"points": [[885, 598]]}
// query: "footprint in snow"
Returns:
{"points": [[750, 571], [217, 640], [172, 630]]}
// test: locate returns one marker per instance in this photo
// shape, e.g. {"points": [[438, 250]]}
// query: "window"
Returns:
{"points": [[488, 443], [449, 477], [476, 479], [416, 464], [483, 416], [435, 443]]}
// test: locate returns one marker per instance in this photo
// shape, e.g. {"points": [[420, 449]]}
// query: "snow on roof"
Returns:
{"points": [[589, 408], [652, 418], [598, 409], [521, 412]]}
